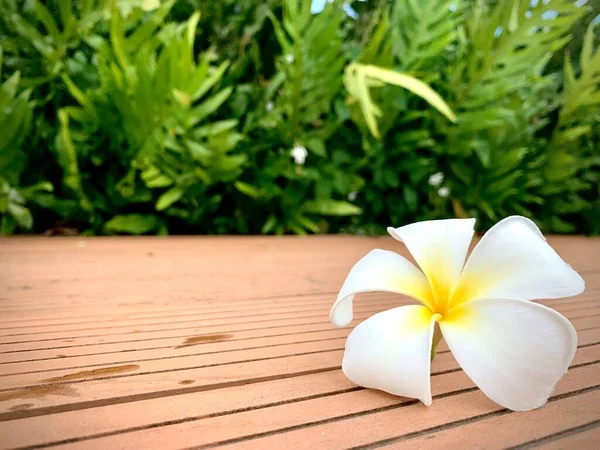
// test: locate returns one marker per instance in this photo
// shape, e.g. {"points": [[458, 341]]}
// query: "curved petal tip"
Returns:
{"points": [[390, 351], [341, 314]]}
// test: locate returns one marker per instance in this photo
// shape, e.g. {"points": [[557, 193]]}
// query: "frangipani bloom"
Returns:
{"points": [[513, 349]]}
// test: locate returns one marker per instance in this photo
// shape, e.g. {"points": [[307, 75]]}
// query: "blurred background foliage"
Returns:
{"points": [[297, 116]]}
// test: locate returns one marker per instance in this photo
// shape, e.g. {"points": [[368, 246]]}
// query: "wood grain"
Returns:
{"points": [[203, 342]]}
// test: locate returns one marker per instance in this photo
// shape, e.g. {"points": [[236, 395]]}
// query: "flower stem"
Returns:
{"points": [[437, 337]]}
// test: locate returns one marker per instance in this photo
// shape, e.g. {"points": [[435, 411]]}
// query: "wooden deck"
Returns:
{"points": [[203, 342]]}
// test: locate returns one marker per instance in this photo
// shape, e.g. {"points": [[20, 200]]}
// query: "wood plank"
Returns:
{"points": [[76, 395], [215, 414], [95, 351], [558, 416], [156, 365], [228, 310], [243, 342], [384, 425], [79, 348], [316, 423], [184, 332], [134, 303], [171, 341], [578, 438], [57, 340], [258, 316]]}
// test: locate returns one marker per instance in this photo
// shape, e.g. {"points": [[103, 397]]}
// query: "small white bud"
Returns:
{"points": [[269, 106], [443, 191], [299, 153], [436, 179], [352, 196], [289, 58]]}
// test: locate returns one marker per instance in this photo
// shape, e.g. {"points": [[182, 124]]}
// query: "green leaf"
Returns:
{"points": [[159, 182], [42, 186], [7, 225], [210, 105], [198, 151], [587, 48], [117, 40], [126, 6], [317, 147], [247, 189], [215, 128], [410, 197], [132, 224], [412, 84], [390, 177], [8, 89], [168, 198], [357, 78], [308, 224], [65, 9], [144, 32], [46, 18], [483, 152], [67, 157], [561, 226], [269, 225], [76, 92], [211, 81], [21, 214], [331, 208]]}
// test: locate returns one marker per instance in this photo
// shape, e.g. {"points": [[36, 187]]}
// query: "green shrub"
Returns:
{"points": [[220, 116]]}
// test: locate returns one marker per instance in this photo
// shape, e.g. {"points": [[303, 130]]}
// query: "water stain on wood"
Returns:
{"points": [[187, 381], [21, 407], [94, 373], [38, 392], [203, 339]]}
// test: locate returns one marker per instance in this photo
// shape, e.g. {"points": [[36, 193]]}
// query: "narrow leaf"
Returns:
{"points": [[132, 224], [331, 208], [168, 198]]}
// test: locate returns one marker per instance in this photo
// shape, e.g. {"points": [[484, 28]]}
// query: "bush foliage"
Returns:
{"points": [[221, 116]]}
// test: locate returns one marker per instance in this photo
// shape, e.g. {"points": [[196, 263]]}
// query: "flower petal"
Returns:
{"points": [[515, 351], [379, 270], [440, 248], [390, 351], [513, 260]]}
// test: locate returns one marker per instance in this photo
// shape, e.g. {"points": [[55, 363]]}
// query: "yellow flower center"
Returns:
{"points": [[443, 298]]}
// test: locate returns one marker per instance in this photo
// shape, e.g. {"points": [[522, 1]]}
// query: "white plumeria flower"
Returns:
{"points": [[436, 179], [515, 350], [299, 153]]}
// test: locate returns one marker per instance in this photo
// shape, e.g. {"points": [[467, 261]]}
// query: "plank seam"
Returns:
{"points": [[274, 404], [111, 317], [207, 366], [459, 423], [556, 436], [154, 395], [186, 328], [384, 409]]}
